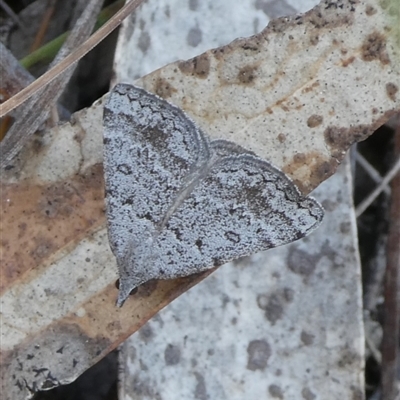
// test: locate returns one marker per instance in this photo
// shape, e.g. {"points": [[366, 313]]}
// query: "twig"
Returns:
{"points": [[389, 176], [374, 351], [371, 171], [71, 59], [43, 26], [391, 325]]}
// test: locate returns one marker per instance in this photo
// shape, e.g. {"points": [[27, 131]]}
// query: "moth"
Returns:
{"points": [[178, 203]]}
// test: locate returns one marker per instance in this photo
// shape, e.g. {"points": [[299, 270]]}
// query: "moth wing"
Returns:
{"points": [[150, 146], [242, 206]]}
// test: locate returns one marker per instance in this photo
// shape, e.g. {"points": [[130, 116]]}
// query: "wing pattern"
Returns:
{"points": [[178, 204]]}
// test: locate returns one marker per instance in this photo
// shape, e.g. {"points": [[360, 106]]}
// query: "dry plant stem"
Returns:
{"points": [[371, 171], [390, 345], [389, 176], [43, 26], [36, 110], [71, 59]]}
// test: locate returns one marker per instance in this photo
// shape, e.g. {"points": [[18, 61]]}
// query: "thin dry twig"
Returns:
{"points": [[374, 351], [371, 171], [43, 26], [391, 325], [389, 176], [71, 59]]}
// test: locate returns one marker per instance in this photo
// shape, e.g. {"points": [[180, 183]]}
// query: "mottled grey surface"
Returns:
{"points": [[178, 204]]}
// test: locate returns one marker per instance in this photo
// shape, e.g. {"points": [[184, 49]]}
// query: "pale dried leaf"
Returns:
{"points": [[297, 94]]}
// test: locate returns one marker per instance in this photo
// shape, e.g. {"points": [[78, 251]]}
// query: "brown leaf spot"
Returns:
{"points": [[314, 39], [258, 352], [324, 170], [282, 105], [279, 25], [114, 327], [391, 90], [247, 74], [314, 120], [269, 110], [281, 138], [22, 230], [340, 139], [253, 44], [369, 10], [348, 61], [310, 88], [198, 66], [43, 247], [318, 166], [79, 136], [219, 52], [299, 158], [327, 17], [163, 88], [374, 48]]}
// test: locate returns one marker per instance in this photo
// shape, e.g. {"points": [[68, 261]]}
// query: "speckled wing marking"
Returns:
{"points": [[178, 204]]}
